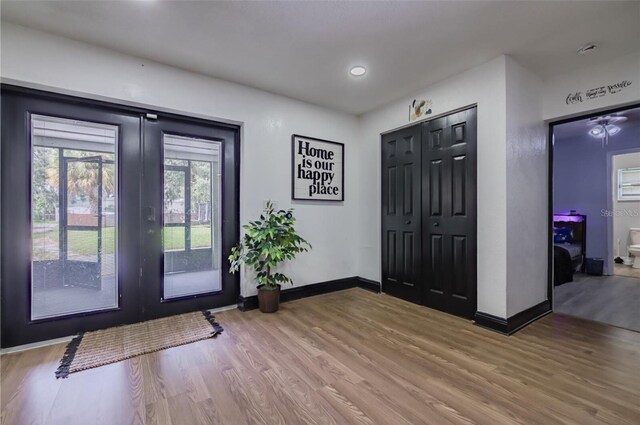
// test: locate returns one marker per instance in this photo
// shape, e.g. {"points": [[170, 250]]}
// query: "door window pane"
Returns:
{"points": [[73, 205], [191, 215]]}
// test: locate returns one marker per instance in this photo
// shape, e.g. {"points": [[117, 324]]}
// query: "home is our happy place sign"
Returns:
{"points": [[317, 169]]}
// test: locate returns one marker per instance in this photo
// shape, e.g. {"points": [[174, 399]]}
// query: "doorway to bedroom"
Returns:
{"points": [[596, 217]]}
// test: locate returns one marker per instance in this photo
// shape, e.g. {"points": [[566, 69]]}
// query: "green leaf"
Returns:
{"points": [[266, 243]]}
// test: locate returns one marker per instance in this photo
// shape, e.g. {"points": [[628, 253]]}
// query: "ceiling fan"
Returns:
{"points": [[605, 126]]}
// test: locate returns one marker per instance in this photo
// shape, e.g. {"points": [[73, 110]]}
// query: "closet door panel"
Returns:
{"points": [[401, 238], [449, 213]]}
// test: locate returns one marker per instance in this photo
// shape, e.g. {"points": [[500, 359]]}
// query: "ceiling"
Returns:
{"points": [[304, 49], [574, 129]]}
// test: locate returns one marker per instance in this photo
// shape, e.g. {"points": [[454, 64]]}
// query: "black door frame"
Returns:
{"points": [[550, 143], [18, 103]]}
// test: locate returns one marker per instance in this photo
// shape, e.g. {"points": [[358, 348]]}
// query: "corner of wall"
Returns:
{"points": [[527, 190]]}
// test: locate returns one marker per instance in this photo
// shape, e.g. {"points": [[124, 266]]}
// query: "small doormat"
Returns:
{"points": [[99, 348]]}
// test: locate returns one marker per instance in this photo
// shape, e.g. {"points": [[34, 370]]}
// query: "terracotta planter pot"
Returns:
{"points": [[268, 301]]}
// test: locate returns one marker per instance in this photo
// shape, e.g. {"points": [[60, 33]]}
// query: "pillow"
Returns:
{"points": [[562, 235]]}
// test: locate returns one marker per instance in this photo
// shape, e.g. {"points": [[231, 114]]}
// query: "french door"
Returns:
{"points": [[109, 217], [190, 219]]}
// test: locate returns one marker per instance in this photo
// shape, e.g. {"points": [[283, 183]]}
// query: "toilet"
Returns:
{"points": [[634, 248]]}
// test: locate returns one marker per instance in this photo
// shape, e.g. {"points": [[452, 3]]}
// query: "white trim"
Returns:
{"points": [[34, 345], [225, 308]]}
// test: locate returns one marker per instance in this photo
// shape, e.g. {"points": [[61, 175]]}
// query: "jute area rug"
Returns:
{"points": [[99, 348]]}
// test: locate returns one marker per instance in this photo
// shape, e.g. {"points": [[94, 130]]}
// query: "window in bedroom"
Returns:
{"points": [[629, 184]]}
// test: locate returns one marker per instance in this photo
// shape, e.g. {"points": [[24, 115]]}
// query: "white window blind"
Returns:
{"points": [[629, 184]]}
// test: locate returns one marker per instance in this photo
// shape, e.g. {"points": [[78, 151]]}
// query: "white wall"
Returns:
{"points": [[485, 86], [556, 89], [512, 185], [527, 190], [38, 59], [626, 213]]}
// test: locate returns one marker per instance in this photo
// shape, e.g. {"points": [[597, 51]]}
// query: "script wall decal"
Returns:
{"points": [[317, 169], [596, 92]]}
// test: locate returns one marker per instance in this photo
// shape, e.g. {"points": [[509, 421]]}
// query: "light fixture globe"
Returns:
{"points": [[612, 129], [358, 71], [603, 127]]}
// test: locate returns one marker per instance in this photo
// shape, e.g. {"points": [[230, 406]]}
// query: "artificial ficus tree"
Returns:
{"points": [[267, 242]]}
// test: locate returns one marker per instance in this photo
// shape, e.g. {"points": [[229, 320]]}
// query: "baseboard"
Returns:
{"points": [[247, 303], [34, 345], [514, 323], [296, 293], [368, 284]]}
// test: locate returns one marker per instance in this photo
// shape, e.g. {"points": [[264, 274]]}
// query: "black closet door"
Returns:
{"points": [[449, 212], [401, 250]]}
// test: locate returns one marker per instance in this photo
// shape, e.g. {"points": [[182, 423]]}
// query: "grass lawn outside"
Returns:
{"points": [[173, 237], [85, 242]]}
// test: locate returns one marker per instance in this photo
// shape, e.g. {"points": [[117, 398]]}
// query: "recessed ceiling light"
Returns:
{"points": [[587, 48], [358, 71]]}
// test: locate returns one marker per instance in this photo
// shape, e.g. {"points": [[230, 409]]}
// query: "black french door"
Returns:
{"points": [[83, 238], [191, 218]]}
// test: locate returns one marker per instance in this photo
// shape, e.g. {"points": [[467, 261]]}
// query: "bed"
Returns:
{"points": [[569, 246]]}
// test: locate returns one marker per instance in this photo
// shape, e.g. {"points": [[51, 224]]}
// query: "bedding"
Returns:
{"points": [[575, 249], [562, 266], [569, 238]]}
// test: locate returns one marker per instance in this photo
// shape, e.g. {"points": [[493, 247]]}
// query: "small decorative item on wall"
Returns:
{"points": [[419, 108], [317, 169]]}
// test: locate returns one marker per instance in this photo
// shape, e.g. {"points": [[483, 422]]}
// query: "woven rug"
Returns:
{"points": [[98, 348]]}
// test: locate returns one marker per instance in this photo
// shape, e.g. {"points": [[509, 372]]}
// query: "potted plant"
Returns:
{"points": [[267, 242]]}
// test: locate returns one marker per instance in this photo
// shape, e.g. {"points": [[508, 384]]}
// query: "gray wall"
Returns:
{"points": [[581, 183]]}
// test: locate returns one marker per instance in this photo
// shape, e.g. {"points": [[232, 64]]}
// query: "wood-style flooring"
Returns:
{"points": [[614, 300], [350, 357]]}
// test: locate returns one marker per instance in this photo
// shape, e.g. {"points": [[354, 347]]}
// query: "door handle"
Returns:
{"points": [[407, 222], [436, 224], [151, 214]]}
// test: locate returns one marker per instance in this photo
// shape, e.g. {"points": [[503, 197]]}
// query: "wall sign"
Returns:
{"points": [[317, 169], [596, 92]]}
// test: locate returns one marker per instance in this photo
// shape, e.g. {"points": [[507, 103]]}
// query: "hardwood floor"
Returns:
{"points": [[350, 357], [608, 299]]}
